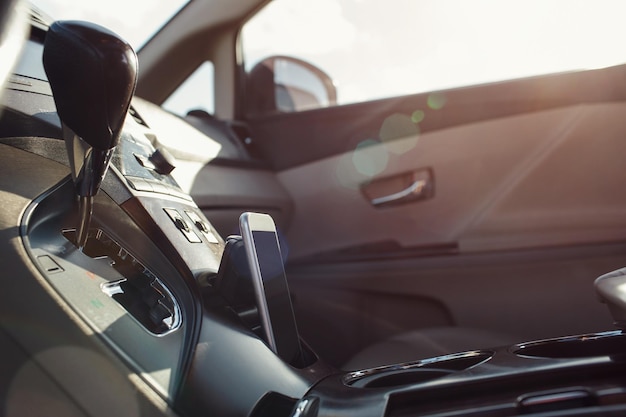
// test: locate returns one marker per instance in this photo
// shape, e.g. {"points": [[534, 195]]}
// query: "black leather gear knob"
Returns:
{"points": [[93, 74]]}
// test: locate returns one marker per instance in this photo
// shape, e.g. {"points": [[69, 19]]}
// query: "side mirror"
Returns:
{"points": [[282, 84]]}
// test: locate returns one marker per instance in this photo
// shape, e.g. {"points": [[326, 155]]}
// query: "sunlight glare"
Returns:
{"points": [[399, 126], [370, 158]]}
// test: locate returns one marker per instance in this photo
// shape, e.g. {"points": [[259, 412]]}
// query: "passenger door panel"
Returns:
{"points": [[505, 158], [517, 182]]}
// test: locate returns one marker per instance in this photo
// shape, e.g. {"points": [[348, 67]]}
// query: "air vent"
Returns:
{"points": [[137, 117]]}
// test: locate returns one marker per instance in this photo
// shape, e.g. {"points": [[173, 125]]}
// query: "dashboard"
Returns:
{"points": [[150, 293]]}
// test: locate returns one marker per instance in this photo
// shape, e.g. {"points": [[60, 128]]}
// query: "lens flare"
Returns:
{"points": [[346, 174], [436, 101], [418, 116], [370, 158], [399, 133]]}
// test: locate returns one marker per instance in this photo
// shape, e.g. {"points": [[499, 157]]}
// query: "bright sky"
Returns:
{"points": [[375, 48], [380, 48]]}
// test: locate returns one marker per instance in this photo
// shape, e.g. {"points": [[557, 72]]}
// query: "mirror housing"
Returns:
{"points": [[283, 84]]}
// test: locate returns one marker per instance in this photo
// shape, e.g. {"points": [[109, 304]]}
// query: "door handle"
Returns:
{"points": [[400, 189], [410, 193]]}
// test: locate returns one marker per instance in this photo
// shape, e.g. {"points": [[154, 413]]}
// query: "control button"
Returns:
{"points": [[202, 226], [195, 219], [139, 184], [182, 225], [156, 186], [144, 162], [162, 161]]}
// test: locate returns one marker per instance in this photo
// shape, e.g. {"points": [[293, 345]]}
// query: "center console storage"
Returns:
{"points": [[579, 375], [412, 373], [584, 346]]}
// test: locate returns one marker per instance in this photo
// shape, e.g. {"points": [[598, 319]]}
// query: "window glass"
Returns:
{"points": [[135, 21], [196, 93], [374, 49]]}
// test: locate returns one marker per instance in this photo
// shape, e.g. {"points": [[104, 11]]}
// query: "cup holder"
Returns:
{"points": [[585, 346], [418, 372], [400, 377]]}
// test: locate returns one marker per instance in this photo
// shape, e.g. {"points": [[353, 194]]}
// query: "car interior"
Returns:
{"points": [[447, 253]]}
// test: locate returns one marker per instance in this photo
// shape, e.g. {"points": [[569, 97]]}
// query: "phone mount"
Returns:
{"points": [[231, 288], [232, 285]]}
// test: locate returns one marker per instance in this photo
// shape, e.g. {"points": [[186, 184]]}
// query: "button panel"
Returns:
{"points": [[182, 225]]}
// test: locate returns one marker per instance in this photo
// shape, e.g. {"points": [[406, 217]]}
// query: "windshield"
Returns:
{"points": [[136, 21]]}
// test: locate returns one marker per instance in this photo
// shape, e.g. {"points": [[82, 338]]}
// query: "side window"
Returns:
{"points": [[369, 49], [196, 93]]}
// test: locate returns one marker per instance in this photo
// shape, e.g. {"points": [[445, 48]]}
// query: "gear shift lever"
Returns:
{"points": [[93, 74]]}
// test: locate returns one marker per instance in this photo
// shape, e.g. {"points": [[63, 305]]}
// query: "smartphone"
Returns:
{"points": [[270, 285]]}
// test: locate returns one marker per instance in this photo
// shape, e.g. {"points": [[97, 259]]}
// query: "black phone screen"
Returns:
{"points": [[277, 296]]}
